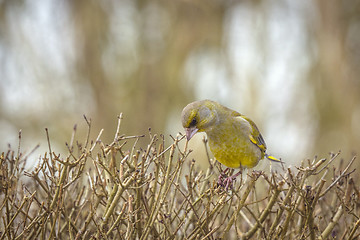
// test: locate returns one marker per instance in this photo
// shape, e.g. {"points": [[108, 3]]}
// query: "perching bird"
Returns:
{"points": [[233, 138]]}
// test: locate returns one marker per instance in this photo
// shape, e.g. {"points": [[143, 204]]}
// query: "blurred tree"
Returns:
{"points": [[290, 65], [165, 34], [335, 78]]}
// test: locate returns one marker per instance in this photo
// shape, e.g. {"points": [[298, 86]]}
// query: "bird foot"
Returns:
{"points": [[227, 181], [223, 175]]}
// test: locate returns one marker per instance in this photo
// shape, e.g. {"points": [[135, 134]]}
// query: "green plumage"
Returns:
{"points": [[233, 138]]}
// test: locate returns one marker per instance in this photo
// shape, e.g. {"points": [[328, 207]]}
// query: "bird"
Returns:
{"points": [[233, 138]]}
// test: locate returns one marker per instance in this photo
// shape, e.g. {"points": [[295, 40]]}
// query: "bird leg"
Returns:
{"points": [[223, 175], [227, 181]]}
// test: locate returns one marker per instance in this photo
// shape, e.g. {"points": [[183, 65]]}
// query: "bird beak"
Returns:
{"points": [[190, 132]]}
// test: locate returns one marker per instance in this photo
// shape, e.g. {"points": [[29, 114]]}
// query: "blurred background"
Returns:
{"points": [[291, 66]]}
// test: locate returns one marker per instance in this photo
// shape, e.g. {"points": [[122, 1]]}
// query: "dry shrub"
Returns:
{"points": [[120, 191]]}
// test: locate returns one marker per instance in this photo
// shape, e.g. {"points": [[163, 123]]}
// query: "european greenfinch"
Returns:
{"points": [[233, 138]]}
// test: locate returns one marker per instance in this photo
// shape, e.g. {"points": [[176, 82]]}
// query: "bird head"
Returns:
{"points": [[199, 116]]}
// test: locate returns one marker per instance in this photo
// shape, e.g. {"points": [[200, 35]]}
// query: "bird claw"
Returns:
{"points": [[229, 182], [222, 177], [220, 182], [226, 181]]}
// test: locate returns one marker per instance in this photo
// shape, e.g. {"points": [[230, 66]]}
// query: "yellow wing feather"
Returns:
{"points": [[255, 136], [257, 139]]}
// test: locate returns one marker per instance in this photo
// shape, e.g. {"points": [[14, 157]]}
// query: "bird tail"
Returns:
{"points": [[273, 159]]}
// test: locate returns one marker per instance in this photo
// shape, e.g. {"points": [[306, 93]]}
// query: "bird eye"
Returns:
{"points": [[193, 122]]}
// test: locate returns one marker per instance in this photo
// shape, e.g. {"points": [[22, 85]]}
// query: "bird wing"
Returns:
{"points": [[255, 135]]}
